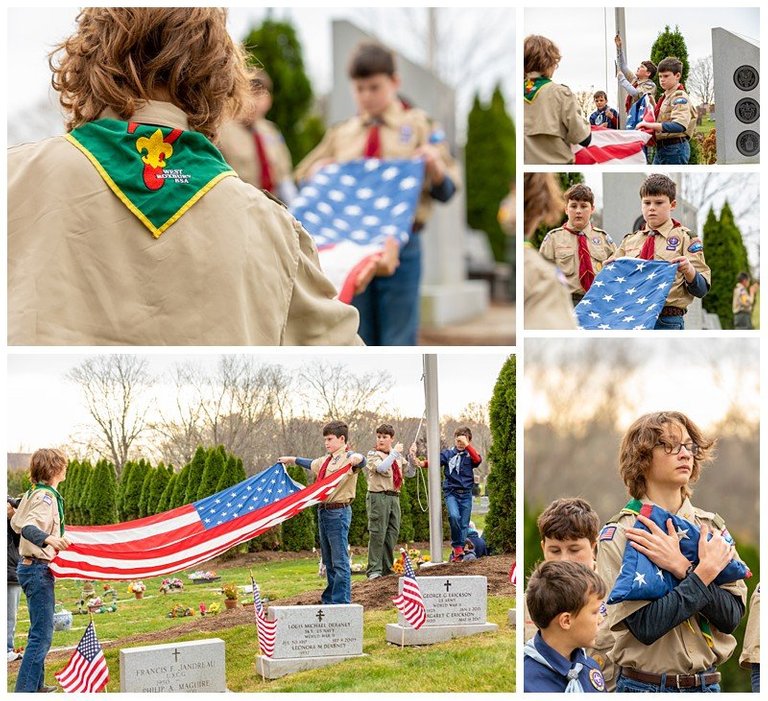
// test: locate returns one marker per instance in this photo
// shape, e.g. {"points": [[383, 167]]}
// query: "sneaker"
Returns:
{"points": [[13, 655], [375, 575], [47, 689], [457, 555]]}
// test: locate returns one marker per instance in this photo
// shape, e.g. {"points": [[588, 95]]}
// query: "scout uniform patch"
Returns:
{"points": [[157, 172], [532, 87], [696, 246], [596, 679]]}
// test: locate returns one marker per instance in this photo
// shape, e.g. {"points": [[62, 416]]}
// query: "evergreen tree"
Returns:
{"points": [[68, 491], [670, 43], [165, 499], [160, 478], [358, 529], [214, 467], [274, 46], [490, 167], [195, 478], [125, 475], [178, 498], [727, 257], [232, 474], [500, 523], [102, 494], [299, 531], [146, 487], [419, 497], [132, 492], [85, 496], [406, 518], [80, 493]]}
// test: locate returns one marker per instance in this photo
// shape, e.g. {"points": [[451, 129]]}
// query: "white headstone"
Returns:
{"points": [[196, 666], [736, 67], [455, 607], [308, 637]]}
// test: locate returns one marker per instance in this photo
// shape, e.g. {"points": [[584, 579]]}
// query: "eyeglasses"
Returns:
{"points": [[692, 448]]}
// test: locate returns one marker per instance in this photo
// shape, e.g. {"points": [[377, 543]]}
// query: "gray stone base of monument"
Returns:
{"points": [[308, 637], [456, 607], [511, 617], [443, 304], [196, 666]]}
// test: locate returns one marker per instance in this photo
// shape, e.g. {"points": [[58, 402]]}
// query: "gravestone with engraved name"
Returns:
{"points": [[455, 607], [192, 667], [307, 637]]}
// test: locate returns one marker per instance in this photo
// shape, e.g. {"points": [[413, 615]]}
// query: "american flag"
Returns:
{"points": [[87, 669], [513, 573], [351, 208], [265, 630], [641, 111], [626, 294], [410, 603], [190, 534]]}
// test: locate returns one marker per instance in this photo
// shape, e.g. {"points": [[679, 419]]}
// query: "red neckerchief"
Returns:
{"points": [[586, 271]]}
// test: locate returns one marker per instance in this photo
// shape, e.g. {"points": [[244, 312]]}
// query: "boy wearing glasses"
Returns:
{"points": [[678, 641]]}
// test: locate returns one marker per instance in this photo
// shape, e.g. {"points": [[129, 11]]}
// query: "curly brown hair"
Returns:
{"points": [[636, 452], [121, 57], [541, 55], [544, 201], [569, 518], [45, 464]]}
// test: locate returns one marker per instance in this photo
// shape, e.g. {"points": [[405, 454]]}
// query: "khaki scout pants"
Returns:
{"points": [[383, 530]]}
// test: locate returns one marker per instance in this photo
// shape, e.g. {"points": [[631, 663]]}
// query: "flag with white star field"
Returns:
{"points": [[192, 534], [626, 294], [351, 208], [639, 579]]}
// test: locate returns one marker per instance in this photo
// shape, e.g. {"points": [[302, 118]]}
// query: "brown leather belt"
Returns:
{"points": [[672, 311], [673, 681], [671, 140], [390, 493], [29, 560], [332, 505]]}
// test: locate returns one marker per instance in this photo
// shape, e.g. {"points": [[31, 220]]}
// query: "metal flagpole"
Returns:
{"points": [[621, 30], [433, 455]]}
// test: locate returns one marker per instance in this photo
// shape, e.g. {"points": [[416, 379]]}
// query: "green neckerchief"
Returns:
{"points": [[532, 86], [157, 172], [634, 506], [59, 502]]}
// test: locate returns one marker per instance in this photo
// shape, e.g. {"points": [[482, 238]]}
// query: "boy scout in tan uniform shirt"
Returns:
{"points": [[547, 301], [401, 130], [561, 247], [676, 107], [672, 241], [235, 269], [345, 492], [552, 123], [684, 649], [750, 653], [37, 508], [236, 143]]}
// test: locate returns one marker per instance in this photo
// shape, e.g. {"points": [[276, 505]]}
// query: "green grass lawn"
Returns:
{"points": [[441, 667]]}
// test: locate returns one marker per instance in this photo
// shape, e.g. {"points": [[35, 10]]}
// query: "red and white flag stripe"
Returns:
{"points": [[612, 147], [174, 540]]}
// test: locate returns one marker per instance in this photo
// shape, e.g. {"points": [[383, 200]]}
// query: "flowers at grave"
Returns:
{"points": [[203, 608], [180, 611], [171, 584], [137, 587], [201, 574], [213, 608], [417, 559], [230, 591]]}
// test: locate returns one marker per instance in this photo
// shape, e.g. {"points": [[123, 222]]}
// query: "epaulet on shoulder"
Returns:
{"points": [[269, 195], [599, 231], [717, 519], [631, 233], [372, 452]]}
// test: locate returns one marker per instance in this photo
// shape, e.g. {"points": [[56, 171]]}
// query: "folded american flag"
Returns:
{"points": [[87, 669], [410, 603], [190, 534], [626, 294], [351, 208], [265, 630]]}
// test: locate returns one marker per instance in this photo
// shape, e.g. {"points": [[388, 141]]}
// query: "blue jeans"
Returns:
{"points": [[36, 581], [672, 323], [334, 539], [756, 677], [14, 594], [389, 306], [459, 505], [672, 154], [631, 685]]}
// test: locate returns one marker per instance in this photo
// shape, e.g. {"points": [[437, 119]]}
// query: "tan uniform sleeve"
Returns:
{"points": [[697, 258], [372, 460], [325, 149], [682, 111], [751, 651], [35, 511], [577, 127], [315, 317], [610, 246], [449, 162], [547, 248], [618, 251]]}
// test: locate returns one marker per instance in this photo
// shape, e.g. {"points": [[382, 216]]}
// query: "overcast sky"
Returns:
{"points": [[585, 37], [43, 408]]}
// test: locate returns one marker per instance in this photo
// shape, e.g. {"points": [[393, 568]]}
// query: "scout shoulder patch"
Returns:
{"points": [[532, 86], [680, 101], [696, 246], [596, 679], [47, 499], [157, 172], [608, 532]]}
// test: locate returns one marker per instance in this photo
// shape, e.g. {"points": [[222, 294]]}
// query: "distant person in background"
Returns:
{"points": [[256, 149], [547, 299], [603, 116], [553, 120], [743, 302], [635, 84], [13, 587], [479, 546]]}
